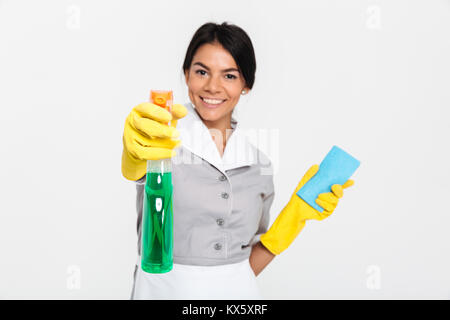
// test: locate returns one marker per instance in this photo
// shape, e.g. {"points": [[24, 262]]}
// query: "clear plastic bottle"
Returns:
{"points": [[157, 217]]}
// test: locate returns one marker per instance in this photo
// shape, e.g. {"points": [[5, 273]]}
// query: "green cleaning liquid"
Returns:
{"points": [[157, 223]]}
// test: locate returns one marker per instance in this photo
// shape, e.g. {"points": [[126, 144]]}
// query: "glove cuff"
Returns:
{"points": [[132, 168], [286, 227]]}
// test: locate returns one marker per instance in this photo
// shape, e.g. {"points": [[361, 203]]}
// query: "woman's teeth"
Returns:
{"points": [[212, 101]]}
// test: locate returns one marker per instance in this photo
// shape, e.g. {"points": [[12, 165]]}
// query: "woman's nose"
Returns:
{"points": [[213, 85]]}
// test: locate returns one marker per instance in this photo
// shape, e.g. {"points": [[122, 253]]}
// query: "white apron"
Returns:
{"points": [[186, 282]]}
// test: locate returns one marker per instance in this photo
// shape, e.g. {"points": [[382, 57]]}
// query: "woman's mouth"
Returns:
{"points": [[212, 103]]}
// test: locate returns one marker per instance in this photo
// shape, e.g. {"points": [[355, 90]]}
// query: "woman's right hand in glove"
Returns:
{"points": [[148, 137]]}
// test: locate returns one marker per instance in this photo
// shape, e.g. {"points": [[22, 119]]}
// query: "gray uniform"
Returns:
{"points": [[221, 204]]}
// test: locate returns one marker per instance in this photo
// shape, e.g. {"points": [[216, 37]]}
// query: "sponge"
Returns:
{"points": [[336, 168]]}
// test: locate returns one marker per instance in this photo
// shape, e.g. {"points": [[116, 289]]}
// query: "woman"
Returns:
{"points": [[223, 189]]}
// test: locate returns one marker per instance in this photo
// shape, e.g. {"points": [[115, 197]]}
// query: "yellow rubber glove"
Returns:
{"points": [[292, 218], [148, 137]]}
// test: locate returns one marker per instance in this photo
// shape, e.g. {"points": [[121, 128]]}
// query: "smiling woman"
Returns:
{"points": [[215, 85], [219, 66], [221, 200], [222, 196]]}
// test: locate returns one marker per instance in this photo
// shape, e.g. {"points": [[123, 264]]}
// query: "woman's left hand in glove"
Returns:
{"points": [[292, 218]]}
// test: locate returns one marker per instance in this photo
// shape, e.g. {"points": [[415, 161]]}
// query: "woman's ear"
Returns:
{"points": [[246, 90]]}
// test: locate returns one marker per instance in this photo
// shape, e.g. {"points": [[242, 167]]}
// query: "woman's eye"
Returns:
{"points": [[201, 72], [231, 76]]}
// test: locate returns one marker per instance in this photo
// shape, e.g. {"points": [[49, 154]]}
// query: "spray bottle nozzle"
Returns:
{"points": [[160, 101], [161, 98]]}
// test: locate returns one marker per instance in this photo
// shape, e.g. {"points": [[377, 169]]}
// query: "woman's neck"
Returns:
{"points": [[220, 131]]}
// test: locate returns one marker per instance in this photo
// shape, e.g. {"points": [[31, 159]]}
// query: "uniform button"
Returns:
{"points": [[217, 246], [222, 178], [225, 195], [220, 222]]}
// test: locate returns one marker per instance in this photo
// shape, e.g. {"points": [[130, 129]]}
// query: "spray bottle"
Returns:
{"points": [[157, 217]]}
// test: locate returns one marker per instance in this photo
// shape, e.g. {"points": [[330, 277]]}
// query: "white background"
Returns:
{"points": [[372, 77]]}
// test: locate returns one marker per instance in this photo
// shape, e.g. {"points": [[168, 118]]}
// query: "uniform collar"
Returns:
{"points": [[196, 138]]}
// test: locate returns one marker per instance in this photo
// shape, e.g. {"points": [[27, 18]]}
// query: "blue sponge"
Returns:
{"points": [[336, 168]]}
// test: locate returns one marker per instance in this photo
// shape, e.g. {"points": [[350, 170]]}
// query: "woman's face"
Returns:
{"points": [[214, 83]]}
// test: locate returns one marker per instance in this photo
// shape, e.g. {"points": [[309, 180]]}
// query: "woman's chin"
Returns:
{"points": [[208, 115]]}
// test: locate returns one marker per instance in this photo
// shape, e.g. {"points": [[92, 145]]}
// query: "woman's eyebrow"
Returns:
{"points": [[225, 70]]}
